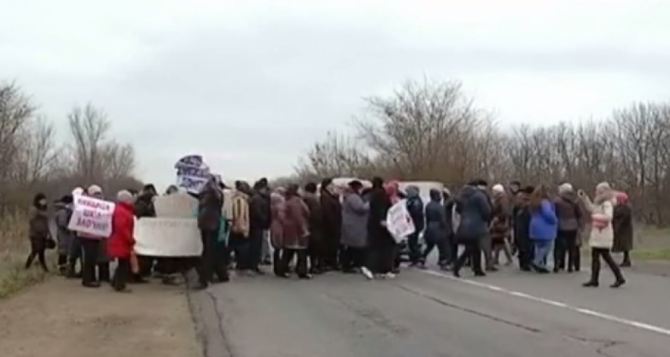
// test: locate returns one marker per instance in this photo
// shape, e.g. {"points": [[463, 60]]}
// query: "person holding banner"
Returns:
{"points": [[92, 250], [120, 243]]}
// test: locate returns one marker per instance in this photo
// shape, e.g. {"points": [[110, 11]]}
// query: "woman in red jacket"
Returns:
{"points": [[120, 244]]}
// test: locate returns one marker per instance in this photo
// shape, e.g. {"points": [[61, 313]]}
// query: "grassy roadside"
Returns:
{"points": [[652, 244], [14, 248]]}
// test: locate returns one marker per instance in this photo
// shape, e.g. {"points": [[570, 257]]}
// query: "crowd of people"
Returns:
{"points": [[319, 228]]}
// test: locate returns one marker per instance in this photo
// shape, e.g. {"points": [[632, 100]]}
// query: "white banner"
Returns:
{"points": [[167, 237], [398, 221], [92, 216]]}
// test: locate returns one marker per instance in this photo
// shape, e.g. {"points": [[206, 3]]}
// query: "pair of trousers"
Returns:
{"points": [[314, 253], [442, 248], [239, 244], [473, 252], [213, 259], [40, 255], [542, 250], [121, 274], [287, 257], [74, 255], [353, 257], [256, 236], [265, 245], [90, 260], [504, 247], [566, 244], [277, 261], [596, 254], [382, 255], [331, 247], [415, 255], [486, 246]]}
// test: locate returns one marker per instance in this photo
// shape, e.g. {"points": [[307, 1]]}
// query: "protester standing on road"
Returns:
{"points": [[209, 222], [415, 208], [500, 225], [602, 233], [103, 259], [76, 252], [543, 227], [522, 228], [239, 232], [623, 228], [569, 215], [91, 246], [277, 208], [39, 233], [121, 243], [382, 244], [436, 229], [65, 235], [452, 244], [354, 238], [485, 242], [315, 227], [474, 210], [332, 224], [144, 207], [296, 234], [266, 254], [260, 219]]}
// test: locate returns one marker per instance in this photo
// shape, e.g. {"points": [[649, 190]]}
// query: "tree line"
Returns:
{"points": [[32, 159], [433, 131]]}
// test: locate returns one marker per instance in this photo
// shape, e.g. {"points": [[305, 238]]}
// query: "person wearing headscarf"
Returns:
{"points": [[436, 229], [570, 215], [121, 243], [415, 209], [278, 214], [474, 210], [209, 222], [296, 234], [543, 227], [623, 228], [95, 263], [602, 233], [383, 247], [75, 252], [500, 224], [65, 235], [315, 227], [354, 238], [260, 220], [331, 211], [522, 228], [38, 231]]}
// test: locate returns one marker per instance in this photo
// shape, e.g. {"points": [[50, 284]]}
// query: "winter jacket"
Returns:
{"points": [[260, 211], [474, 210], [436, 220], [543, 222], [315, 217], [500, 224], [295, 226], [120, 244], [415, 208], [39, 229], [210, 205], [380, 203], [331, 213], [277, 209], [569, 212], [65, 235], [623, 228], [144, 206], [449, 207], [240, 213], [355, 213], [602, 231]]}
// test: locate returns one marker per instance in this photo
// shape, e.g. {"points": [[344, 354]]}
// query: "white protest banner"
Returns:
{"points": [[92, 216], [174, 232], [398, 221]]}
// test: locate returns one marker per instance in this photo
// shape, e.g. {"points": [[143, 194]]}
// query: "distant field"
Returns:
{"points": [[652, 244]]}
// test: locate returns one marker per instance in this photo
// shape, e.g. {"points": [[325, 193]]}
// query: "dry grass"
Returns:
{"points": [[14, 248], [652, 244]]}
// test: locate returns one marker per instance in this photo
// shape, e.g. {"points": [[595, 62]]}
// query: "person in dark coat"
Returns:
{"points": [[209, 222], [415, 208], [331, 210], [452, 244], [64, 234], [296, 234], [277, 210], [315, 227], [474, 210], [500, 225], [570, 215], [382, 245], [121, 243], [144, 207], [522, 228], [623, 228], [260, 220], [354, 228], [38, 231], [436, 228]]}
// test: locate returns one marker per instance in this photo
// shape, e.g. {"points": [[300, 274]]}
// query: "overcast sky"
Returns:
{"points": [[251, 84]]}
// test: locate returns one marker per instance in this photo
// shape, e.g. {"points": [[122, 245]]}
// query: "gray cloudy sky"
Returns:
{"points": [[251, 84]]}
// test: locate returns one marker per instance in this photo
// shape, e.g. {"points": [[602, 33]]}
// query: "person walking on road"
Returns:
{"points": [[331, 223], [382, 244], [65, 235], [500, 225], [120, 244], [623, 228], [278, 209], [522, 228], [315, 228], [437, 227], [260, 219], [39, 232], [543, 227], [296, 234], [239, 232], [474, 210], [354, 238], [415, 208], [602, 233], [209, 222], [569, 215]]}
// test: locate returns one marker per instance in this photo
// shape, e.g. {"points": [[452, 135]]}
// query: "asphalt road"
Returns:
{"points": [[428, 313]]}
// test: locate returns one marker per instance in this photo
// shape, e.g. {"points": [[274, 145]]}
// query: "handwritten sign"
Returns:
{"points": [[92, 217], [192, 173], [398, 221]]}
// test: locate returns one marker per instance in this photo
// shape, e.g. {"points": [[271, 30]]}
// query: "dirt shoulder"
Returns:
{"points": [[59, 318]]}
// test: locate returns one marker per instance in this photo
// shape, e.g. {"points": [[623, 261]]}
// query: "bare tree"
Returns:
{"points": [[89, 127]]}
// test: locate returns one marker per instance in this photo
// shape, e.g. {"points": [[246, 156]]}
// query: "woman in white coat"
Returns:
{"points": [[602, 232]]}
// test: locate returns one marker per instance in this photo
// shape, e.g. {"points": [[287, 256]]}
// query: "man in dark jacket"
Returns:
{"points": [[522, 228], [331, 210], [416, 211], [260, 218], [315, 222], [144, 207], [474, 209], [569, 214], [209, 222], [452, 243]]}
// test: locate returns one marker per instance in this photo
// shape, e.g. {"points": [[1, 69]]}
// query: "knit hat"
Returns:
{"points": [[565, 188], [498, 188], [94, 190]]}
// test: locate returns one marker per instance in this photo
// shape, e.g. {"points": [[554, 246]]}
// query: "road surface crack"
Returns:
{"points": [[603, 344], [468, 310], [219, 319]]}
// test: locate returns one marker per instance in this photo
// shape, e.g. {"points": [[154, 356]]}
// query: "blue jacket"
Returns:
{"points": [[543, 222], [475, 210]]}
